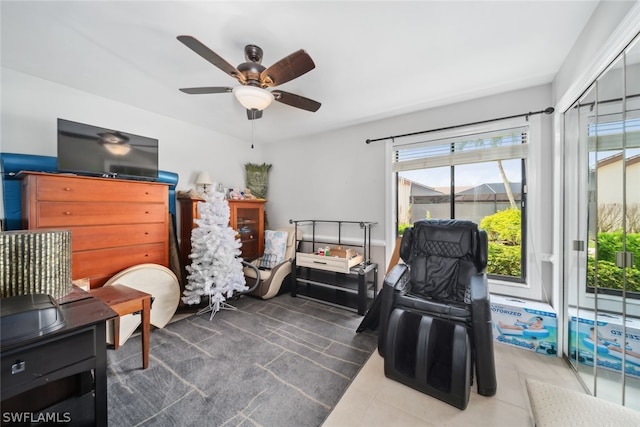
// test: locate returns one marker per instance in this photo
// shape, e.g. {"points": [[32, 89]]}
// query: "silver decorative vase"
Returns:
{"points": [[35, 262]]}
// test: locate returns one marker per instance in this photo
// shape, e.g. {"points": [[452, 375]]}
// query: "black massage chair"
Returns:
{"points": [[435, 317]]}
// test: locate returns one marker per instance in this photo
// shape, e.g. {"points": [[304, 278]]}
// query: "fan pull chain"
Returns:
{"points": [[253, 126]]}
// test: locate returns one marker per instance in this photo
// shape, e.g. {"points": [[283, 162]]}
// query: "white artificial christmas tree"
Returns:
{"points": [[216, 269]]}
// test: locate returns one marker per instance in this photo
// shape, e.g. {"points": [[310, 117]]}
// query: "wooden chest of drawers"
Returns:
{"points": [[114, 224]]}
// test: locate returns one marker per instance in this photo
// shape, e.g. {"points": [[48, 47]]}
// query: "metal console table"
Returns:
{"points": [[342, 282]]}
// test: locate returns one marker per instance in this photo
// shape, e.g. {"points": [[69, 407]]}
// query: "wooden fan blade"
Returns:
{"points": [[204, 90], [254, 114], [202, 50], [79, 135], [288, 68], [296, 100]]}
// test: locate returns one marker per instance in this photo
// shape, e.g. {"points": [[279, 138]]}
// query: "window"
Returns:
{"points": [[479, 176]]}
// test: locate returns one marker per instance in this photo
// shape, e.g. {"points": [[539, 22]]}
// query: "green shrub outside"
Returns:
{"points": [[504, 260], [504, 233], [610, 243], [402, 227], [504, 227], [610, 275]]}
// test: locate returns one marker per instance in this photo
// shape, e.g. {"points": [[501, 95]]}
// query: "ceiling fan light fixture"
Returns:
{"points": [[253, 97], [117, 149], [113, 137]]}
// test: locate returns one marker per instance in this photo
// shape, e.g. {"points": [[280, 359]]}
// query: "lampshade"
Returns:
{"points": [[204, 179], [35, 262], [253, 97]]}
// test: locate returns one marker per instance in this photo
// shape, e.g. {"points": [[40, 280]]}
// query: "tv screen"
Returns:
{"points": [[96, 151]]}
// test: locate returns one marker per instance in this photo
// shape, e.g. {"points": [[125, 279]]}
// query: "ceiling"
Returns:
{"points": [[373, 59]]}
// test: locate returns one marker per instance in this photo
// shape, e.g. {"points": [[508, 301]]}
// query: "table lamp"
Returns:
{"points": [[204, 180]]}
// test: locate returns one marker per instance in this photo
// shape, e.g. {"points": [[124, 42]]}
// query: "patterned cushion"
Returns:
{"points": [[275, 246], [553, 405]]}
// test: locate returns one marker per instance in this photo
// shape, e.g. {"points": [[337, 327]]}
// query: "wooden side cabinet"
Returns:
{"points": [[246, 217], [188, 208]]}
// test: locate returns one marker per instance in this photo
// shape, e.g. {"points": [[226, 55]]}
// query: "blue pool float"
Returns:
{"points": [[535, 333], [588, 343], [532, 333]]}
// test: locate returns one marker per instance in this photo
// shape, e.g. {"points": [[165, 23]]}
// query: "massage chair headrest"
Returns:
{"points": [[450, 238]]}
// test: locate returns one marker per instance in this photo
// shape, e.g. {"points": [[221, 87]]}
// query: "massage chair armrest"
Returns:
{"points": [[257, 273], [255, 264], [479, 302], [479, 288], [482, 335], [398, 278], [278, 274], [395, 282], [283, 264]]}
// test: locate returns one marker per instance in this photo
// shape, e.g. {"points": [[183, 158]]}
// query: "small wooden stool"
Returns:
{"points": [[124, 300]]}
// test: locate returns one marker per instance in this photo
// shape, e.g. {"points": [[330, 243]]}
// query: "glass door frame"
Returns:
{"points": [[610, 50], [587, 145]]}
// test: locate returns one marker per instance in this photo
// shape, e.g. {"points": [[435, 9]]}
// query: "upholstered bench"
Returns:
{"points": [[559, 407]]}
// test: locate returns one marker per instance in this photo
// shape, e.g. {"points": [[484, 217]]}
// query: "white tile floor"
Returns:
{"points": [[373, 400]]}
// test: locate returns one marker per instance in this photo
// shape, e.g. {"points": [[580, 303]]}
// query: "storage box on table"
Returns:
{"points": [[606, 340], [529, 325], [326, 262], [342, 252]]}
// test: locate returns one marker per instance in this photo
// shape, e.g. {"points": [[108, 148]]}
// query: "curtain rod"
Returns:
{"points": [[548, 110]]}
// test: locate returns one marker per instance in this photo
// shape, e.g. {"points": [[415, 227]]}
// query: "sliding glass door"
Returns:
{"points": [[602, 232]]}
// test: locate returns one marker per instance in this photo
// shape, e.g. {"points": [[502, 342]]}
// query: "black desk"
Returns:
{"points": [[78, 347]]}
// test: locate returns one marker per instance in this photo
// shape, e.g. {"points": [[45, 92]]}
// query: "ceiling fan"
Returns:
{"points": [[255, 78]]}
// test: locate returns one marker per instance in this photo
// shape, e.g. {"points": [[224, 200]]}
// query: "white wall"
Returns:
{"points": [[31, 106], [586, 57], [332, 176]]}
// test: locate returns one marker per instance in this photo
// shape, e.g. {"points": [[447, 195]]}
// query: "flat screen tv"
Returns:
{"points": [[95, 151]]}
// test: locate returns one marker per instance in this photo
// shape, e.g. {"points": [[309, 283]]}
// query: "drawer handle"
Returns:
{"points": [[67, 213], [18, 367], [146, 212], [67, 188], [146, 233], [146, 255], [319, 262]]}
